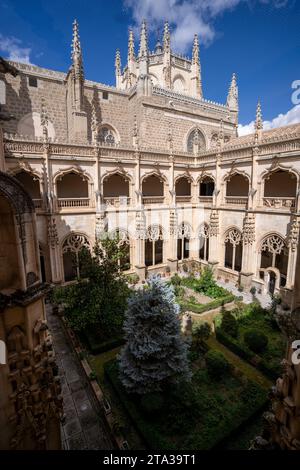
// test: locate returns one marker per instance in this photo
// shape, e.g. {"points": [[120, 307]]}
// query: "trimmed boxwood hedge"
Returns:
{"points": [[253, 398], [201, 308], [97, 347], [245, 353]]}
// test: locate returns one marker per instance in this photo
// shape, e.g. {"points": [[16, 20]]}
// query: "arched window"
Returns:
{"points": [[42, 263], [214, 141], [196, 141], [115, 186], [72, 246], [233, 249], [183, 186], [274, 254], [237, 185], [204, 242], [280, 189], [72, 190], [122, 238], [154, 245], [107, 135], [183, 241], [153, 189], [207, 186], [31, 184], [179, 84]]}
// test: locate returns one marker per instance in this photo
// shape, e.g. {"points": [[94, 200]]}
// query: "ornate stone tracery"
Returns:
{"points": [[75, 242], [274, 244], [154, 233], [233, 236]]}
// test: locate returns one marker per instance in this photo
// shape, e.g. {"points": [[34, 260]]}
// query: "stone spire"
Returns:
{"points": [[167, 74], [143, 51], [131, 54], [258, 119], [131, 63], [232, 97], [196, 69], [166, 39], [118, 68], [77, 53]]}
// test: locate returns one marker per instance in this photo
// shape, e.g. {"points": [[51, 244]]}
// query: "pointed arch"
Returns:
{"points": [[108, 134], [190, 136], [184, 234], [203, 236], [273, 255], [233, 248], [71, 246], [154, 245]]}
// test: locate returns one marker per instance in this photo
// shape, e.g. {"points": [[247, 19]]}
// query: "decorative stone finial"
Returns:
{"points": [[131, 54], [232, 97], [77, 53], [258, 119], [166, 38], [143, 52]]}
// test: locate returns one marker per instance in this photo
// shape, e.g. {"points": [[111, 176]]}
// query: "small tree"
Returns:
{"points": [[201, 332], [229, 324], [99, 299], [155, 354]]}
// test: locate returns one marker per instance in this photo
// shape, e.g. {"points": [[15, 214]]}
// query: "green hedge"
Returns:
{"points": [[245, 353], [97, 347], [152, 439], [201, 308], [253, 398]]}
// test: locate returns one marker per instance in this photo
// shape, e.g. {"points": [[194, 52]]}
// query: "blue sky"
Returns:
{"points": [[257, 39]]}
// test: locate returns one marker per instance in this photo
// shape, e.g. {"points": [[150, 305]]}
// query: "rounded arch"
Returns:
{"points": [[179, 84], [124, 174], [206, 185], [72, 169], [108, 134], [71, 246], [160, 176], [16, 194], [154, 245], [237, 183], [280, 183], [197, 136], [182, 185], [153, 184], [273, 254], [279, 166], [184, 175], [30, 125], [233, 248], [31, 182], [204, 175]]}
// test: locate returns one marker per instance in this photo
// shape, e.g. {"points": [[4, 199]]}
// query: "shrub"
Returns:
{"points": [[201, 332], [240, 288], [185, 268], [133, 278], [207, 285], [217, 364], [253, 290], [152, 403], [176, 280], [256, 340], [229, 324]]}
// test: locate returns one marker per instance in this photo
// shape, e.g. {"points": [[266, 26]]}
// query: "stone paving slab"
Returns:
{"points": [[83, 427]]}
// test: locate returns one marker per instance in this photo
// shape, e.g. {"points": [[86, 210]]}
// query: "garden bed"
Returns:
{"points": [[196, 416], [188, 306], [267, 361], [97, 344]]}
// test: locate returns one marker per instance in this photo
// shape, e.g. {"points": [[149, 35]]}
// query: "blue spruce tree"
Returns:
{"points": [[155, 353]]}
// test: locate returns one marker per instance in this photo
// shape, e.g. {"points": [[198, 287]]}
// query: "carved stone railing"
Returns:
{"points": [[240, 201], [153, 199], [183, 198], [117, 201], [73, 202], [279, 202], [207, 200], [38, 203]]}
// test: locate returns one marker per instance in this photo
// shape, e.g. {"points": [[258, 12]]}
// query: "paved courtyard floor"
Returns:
{"points": [[83, 428]]}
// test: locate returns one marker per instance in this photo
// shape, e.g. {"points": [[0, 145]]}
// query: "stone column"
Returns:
{"points": [[293, 249], [214, 240], [248, 258], [173, 231], [54, 251], [140, 233]]}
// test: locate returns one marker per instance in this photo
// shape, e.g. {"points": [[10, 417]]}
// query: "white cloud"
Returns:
{"points": [[14, 50], [186, 17], [291, 117]]}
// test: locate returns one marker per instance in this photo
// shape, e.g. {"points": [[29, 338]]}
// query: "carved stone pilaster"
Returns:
{"points": [[214, 223], [101, 225], [293, 236], [249, 229], [52, 232]]}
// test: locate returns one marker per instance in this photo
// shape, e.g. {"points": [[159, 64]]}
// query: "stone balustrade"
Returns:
{"points": [[236, 201], [206, 200], [279, 202], [73, 202], [183, 198], [153, 199], [117, 201]]}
